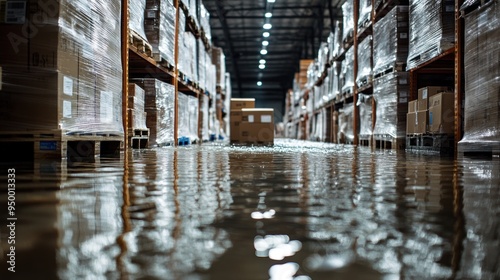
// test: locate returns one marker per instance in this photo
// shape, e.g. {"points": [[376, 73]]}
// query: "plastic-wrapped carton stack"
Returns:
{"points": [[67, 75], [346, 124], [390, 40], [219, 60], [365, 115], [348, 12], [391, 96], [136, 111], [159, 107], [365, 13], [347, 72], [431, 29], [159, 24], [482, 78], [365, 73], [136, 17]]}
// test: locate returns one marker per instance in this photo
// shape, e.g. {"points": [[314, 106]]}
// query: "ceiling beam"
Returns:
{"points": [[227, 36]]}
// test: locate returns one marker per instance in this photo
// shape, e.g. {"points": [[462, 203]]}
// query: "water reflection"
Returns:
{"points": [[298, 210]]}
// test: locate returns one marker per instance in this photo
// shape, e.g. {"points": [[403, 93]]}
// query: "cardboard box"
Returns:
{"points": [[257, 126], [411, 121], [240, 103], [426, 92], [421, 122], [442, 113], [412, 106], [235, 120]]}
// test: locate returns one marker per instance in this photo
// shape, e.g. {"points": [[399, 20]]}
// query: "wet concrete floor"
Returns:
{"points": [[299, 210]]}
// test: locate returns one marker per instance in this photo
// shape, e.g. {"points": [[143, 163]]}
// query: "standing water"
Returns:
{"points": [[298, 210]]}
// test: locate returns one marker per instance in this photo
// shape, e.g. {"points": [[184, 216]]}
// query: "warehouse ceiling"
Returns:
{"points": [[298, 28]]}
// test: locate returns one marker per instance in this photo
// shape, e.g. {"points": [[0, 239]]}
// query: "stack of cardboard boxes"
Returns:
{"points": [[250, 125], [432, 112]]}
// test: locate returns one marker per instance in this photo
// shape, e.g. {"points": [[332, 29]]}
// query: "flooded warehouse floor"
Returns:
{"points": [[299, 210]]}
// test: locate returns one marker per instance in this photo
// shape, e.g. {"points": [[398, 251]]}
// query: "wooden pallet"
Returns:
{"points": [[364, 81], [388, 142], [57, 144], [390, 68], [442, 144], [427, 55], [479, 149], [140, 44], [138, 138], [365, 140]]}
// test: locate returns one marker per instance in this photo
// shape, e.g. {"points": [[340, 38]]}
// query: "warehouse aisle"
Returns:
{"points": [[299, 210]]}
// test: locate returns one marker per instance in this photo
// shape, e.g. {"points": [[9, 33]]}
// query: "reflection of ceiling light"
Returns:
{"points": [[259, 83], [263, 52], [266, 34], [268, 26], [262, 61], [265, 43], [268, 15], [271, 1], [262, 66]]}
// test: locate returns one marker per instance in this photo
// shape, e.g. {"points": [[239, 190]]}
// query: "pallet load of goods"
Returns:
{"points": [[61, 93], [250, 125], [482, 78]]}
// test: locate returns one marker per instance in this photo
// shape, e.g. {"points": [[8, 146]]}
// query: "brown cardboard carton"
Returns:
{"points": [[257, 133], [411, 121], [441, 113], [257, 126], [240, 103], [426, 92], [412, 106], [235, 120], [421, 123]]}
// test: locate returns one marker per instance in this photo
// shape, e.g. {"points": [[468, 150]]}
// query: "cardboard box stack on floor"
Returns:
{"points": [[432, 112], [250, 125]]}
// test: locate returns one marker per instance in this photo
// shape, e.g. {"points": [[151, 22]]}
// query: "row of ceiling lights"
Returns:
{"points": [[267, 26]]}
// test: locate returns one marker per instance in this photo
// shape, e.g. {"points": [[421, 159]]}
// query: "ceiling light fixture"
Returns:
{"points": [[262, 66], [259, 83], [267, 26], [268, 15], [271, 1], [265, 43], [262, 61], [263, 52], [266, 34]]}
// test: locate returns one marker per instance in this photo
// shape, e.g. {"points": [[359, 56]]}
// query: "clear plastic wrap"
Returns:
{"points": [[365, 13], [159, 24], [68, 75], [183, 124], [347, 72], [390, 40], [205, 129], [202, 64], [482, 78], [432, 26], [322, 57], [365, 73], [159, 107], [136, 105], [188, 64], [365, 115], [219, 60], [346, 123], [136, 17], [333, 73], [348, 13], [337, 40], [205, 22], [193, 104], [391, 97]]}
